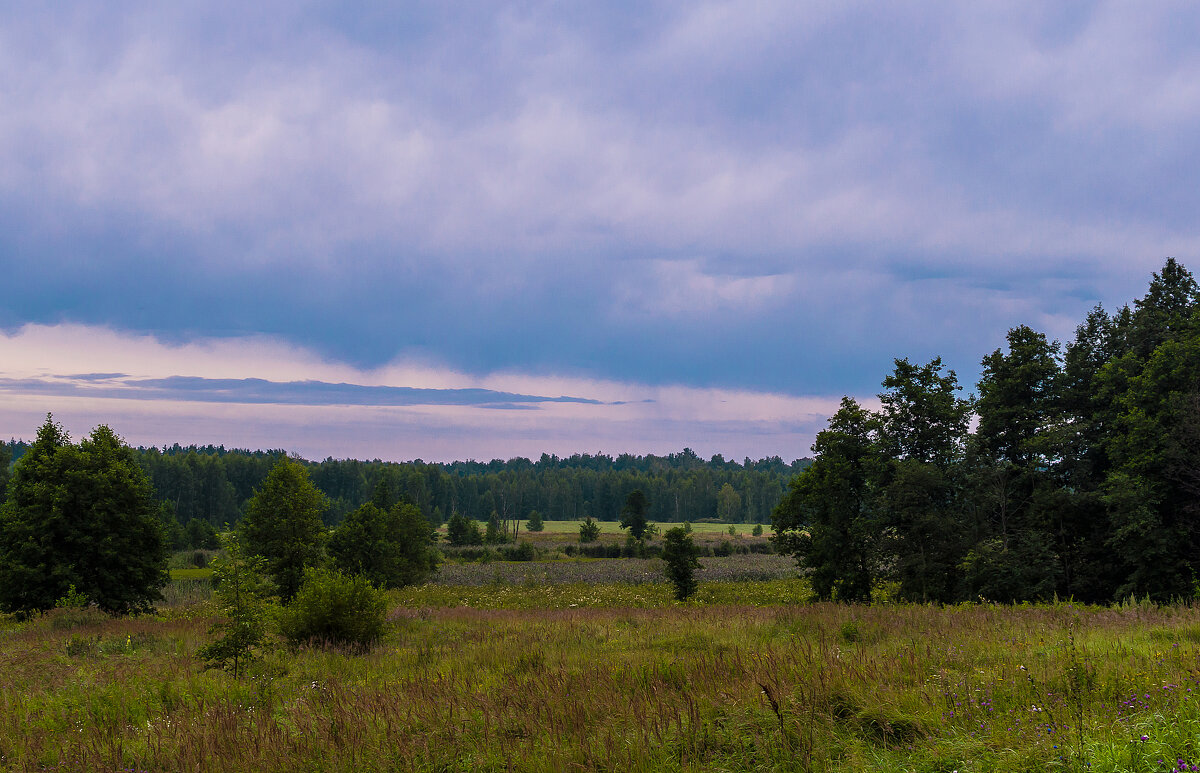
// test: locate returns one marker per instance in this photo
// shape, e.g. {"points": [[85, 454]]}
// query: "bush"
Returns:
{"points": [[334, 608], [680, 554], [757, 530], [524, 551], [589, 530], [461, 530], [535, 522]]}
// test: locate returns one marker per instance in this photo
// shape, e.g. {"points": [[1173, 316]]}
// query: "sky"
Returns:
{"points": [[446, 230]]}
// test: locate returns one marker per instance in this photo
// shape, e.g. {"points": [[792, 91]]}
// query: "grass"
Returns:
{"points": [[617, 676]]}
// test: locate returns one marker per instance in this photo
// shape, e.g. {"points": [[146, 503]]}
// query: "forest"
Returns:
{"points": [[213, 484], [1072, 472]]}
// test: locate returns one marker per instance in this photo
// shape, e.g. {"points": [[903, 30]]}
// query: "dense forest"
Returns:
{"points": [[211, 484], [1074, 470]]}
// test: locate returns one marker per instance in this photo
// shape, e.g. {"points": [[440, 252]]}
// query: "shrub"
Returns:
{"points": [[757, 530], [524, 551], [461, 530], [589, 530], [680, 554], [535, 522], [334, 608]]}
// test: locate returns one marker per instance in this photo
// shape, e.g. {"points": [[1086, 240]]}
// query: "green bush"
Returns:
{"points": [[334, 608], [680, 552], [461, 530], [524, 551], [589, 530]]}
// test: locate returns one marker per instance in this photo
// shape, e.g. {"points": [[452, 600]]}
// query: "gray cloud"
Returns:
{"points": [[777, 195]]}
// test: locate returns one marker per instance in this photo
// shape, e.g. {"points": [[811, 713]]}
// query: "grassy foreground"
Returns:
{"points": [[618, 677]]}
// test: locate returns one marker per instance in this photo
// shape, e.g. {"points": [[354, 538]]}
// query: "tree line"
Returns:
{"points": [[202, 488], [1072, 471]]}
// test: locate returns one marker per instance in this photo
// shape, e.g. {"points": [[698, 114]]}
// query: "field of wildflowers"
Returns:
{"points": [[617, 676]]}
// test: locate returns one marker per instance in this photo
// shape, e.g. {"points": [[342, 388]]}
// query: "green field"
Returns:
{"points": [[542, 675]]}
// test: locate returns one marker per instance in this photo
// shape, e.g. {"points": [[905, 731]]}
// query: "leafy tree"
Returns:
{"points": [[200, 534], [1151, 507], [1164, 313], [334, 608], [682, 561], [5, 461], [283, 525], [1017, 440], [84, 516], [923, 429], [495, 533], [928, 542], [391, 548], [589, 530], [1088, 414], [243, 599], [173, 534], [922, 417], [829, 518], [729, 504], [535, 523], [461, 530], [633, 514]]}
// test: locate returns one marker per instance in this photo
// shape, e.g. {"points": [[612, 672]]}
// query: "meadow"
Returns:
{"points": [[544, 674]]}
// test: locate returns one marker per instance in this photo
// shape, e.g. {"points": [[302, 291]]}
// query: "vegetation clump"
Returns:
{"points": [[682, 560], [80, 518], [334, 608], [589, 531], [283, 525], [243, 601]]}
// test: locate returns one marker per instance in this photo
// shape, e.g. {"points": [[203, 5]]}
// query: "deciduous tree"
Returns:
{"points": [[283, 525]]}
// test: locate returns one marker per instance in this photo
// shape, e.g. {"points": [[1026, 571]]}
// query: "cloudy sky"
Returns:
{"points": [[448, 230]]}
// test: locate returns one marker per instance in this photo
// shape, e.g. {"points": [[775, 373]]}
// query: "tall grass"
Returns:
{"points": [[740, 681]]}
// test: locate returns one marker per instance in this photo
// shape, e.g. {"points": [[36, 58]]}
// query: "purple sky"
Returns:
{"points": [[353, 230]]}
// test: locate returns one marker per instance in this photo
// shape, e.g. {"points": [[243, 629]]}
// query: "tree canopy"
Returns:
{"points": [[1080, 478], [84, 516], [283, 525]]}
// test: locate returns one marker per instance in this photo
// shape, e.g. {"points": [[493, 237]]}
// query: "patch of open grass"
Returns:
{"points": [[617, 676]]}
